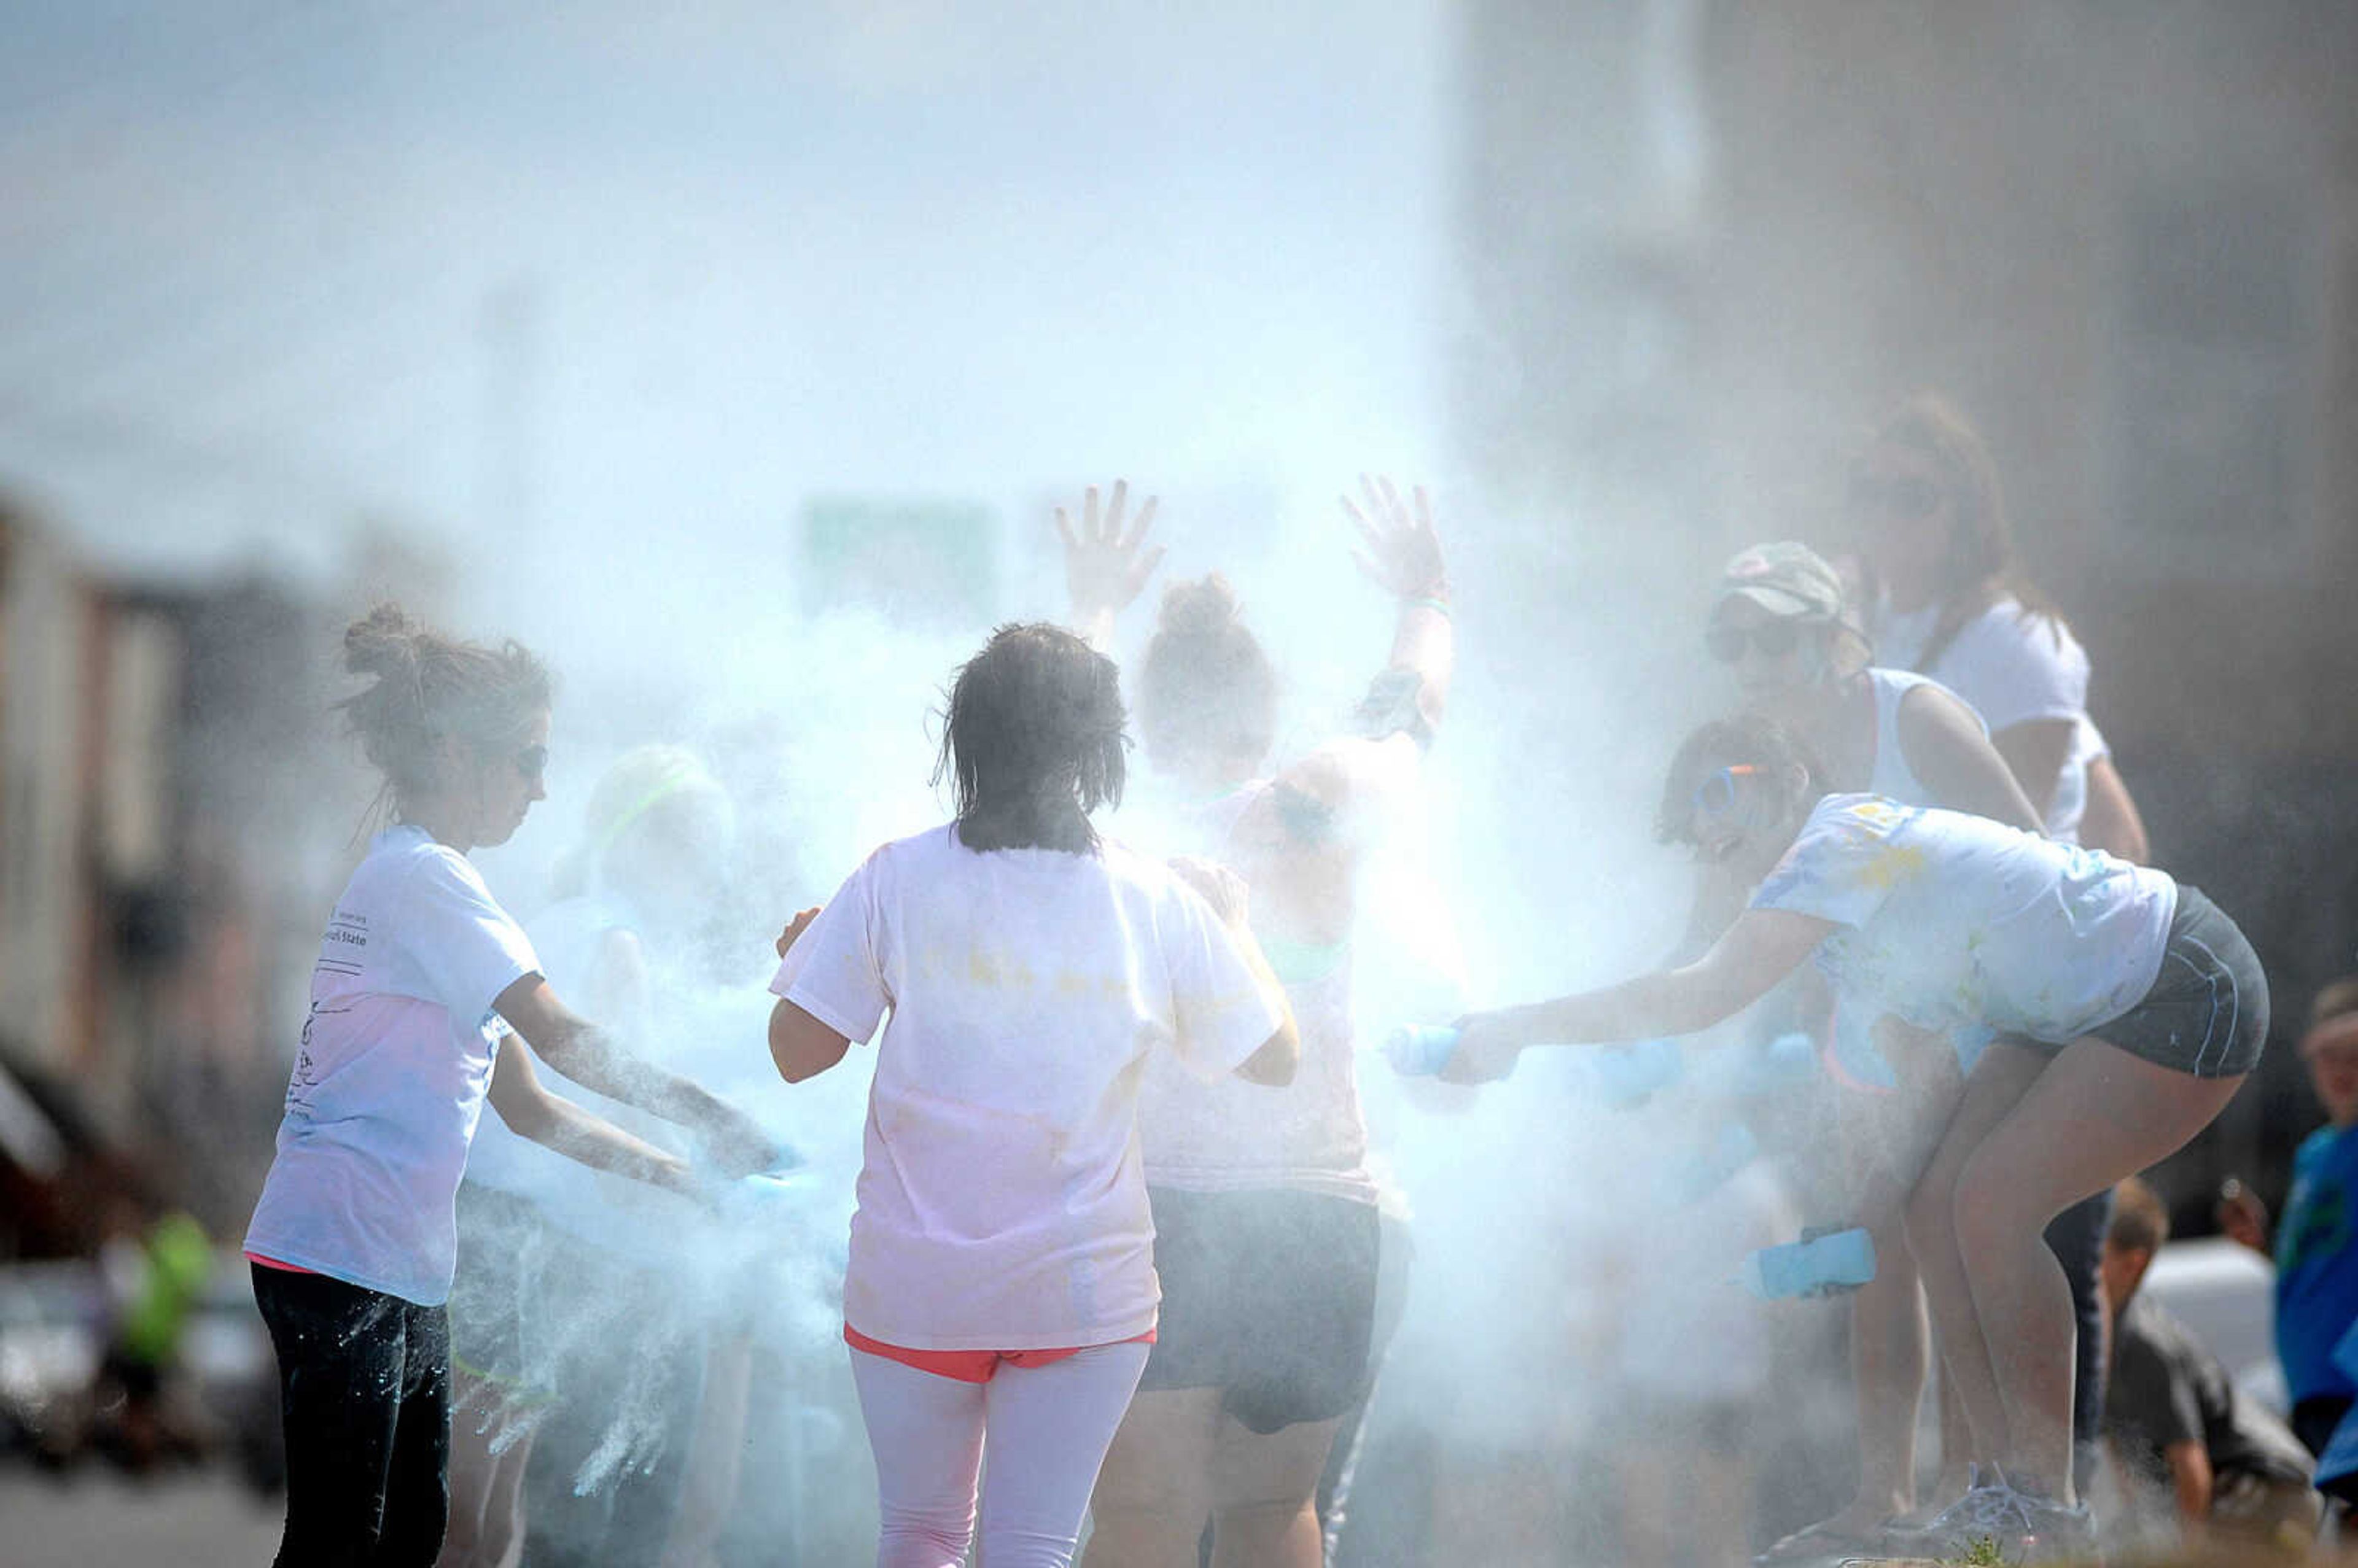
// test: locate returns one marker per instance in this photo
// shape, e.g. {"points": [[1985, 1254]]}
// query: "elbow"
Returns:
{"points": [[1279, 1058]]}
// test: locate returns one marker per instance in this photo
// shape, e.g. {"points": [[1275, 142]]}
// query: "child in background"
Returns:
{"points": [[1001, 1293], [421, 985]]}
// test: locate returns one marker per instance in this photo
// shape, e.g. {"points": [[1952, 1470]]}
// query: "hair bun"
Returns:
{"points": [[1201, 608], [383, 643]]}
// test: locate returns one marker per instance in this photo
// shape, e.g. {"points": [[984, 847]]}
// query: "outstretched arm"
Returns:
{"points": [[529, 1109], [1762, 947], [1106, 566], [593, 1058]]}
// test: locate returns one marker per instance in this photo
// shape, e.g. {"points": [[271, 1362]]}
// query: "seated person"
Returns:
{"points": [[2174, 1418]]}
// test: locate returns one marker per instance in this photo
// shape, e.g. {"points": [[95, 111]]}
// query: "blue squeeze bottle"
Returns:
{"points": [[1820, 1264], [1420, 1050]]}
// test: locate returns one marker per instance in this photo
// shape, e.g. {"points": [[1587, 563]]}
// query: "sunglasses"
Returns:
{"points": [[1775, 639], [1894, 496], [533, 764], [1716, 795]]}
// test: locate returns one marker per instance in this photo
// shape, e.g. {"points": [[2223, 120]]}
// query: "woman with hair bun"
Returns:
{"points": [[1266, 1215], [1001, 1287], [422, 987]]}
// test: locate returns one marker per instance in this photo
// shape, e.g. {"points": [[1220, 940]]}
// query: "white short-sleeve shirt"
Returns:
{"points": [[389, 1082], [2011, 667], [1002, 1205], [1951, 921]]}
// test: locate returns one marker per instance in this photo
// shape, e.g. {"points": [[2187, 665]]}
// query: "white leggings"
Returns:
{"points": [[1048, 1429]]}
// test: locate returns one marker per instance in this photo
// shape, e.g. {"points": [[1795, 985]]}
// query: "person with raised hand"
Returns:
{"points": [[424, 996], [1268, 1235]]}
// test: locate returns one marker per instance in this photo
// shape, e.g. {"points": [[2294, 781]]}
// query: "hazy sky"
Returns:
{"points": [[267, 266]]}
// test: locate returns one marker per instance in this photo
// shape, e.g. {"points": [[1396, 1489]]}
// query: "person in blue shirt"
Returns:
{"points": [[2316, 1243]]}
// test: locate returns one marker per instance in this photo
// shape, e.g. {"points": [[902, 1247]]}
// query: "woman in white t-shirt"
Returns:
{"points": [[1267, 1229], [422, 985], [2127, 1011], [1001, 1293]]}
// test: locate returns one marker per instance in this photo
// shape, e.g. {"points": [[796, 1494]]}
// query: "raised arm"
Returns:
{"points": [[593, 1058], [1760, 949], [1399, 551], [1106, 563]]}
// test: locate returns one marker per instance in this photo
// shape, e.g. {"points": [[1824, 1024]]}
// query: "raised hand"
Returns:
{"points": [[795, 928], [1106, 562], [1397, 549]]}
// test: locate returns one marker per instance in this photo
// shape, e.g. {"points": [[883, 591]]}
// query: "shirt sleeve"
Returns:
{"points": [[467, 948], [1220, 1013], [833, 971], [1843, 864], [2023, 668], [2149, 1397]]}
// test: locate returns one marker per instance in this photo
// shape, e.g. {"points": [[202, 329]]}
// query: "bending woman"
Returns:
{"points": [[1001, 1290], [2128, 1010], [422, 987], [1265, 1213]]}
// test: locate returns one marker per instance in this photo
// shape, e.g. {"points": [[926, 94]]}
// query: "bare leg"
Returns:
{"points": [[2096, 1115], [715, 1455], [501, 1543], [473, 1468], [1999, 1080], [1265, 1496], [1154, 1492]]}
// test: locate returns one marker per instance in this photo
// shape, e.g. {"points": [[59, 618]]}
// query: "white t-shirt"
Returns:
{"points": [[1951, 920], [389, 1083], [2011, 667], [1002, 1201]]}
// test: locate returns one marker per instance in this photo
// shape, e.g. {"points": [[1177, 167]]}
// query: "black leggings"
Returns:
{"points": [[364, 1384]]}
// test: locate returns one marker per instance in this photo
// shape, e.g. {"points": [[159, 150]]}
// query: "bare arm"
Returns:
{"points": [[800, 1046], [1964, 772], [1762, 947], [530, 1110], [2191, 1478], [1280, 1055], [592, 1058], [1106, 567], [2037, 752], [2112, 822]]}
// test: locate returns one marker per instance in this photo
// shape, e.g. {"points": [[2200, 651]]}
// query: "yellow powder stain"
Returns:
{"points": [[1070, 982], [980, 971], [1892, 866]]}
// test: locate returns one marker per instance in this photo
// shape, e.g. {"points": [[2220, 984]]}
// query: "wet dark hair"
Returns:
{"points": [[1033, 740], [1206, 686], [427, 687], [1746, 740]]}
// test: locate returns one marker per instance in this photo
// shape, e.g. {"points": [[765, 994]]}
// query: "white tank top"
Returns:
{"points": [[1893, 779]]}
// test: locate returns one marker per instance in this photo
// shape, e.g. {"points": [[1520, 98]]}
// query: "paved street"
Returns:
{"points": [[95, 1517]]}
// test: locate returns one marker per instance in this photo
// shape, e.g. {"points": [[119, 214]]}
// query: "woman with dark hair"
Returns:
{"points": [[422, 987], [1267, 1231], [1950, 602], [1001, 1288], [2126, 1007]]}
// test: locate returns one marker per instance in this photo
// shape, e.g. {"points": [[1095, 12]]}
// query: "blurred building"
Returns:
{"points": [[1704, 243], [166, 817]]}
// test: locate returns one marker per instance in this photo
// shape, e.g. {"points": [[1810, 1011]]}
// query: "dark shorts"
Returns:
{"points": [[2208, 1012], [1268, 1297], [504, 1254]]}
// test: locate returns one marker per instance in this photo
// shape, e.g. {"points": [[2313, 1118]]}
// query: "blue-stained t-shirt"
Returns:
{"points": [[2317, 1264]]}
